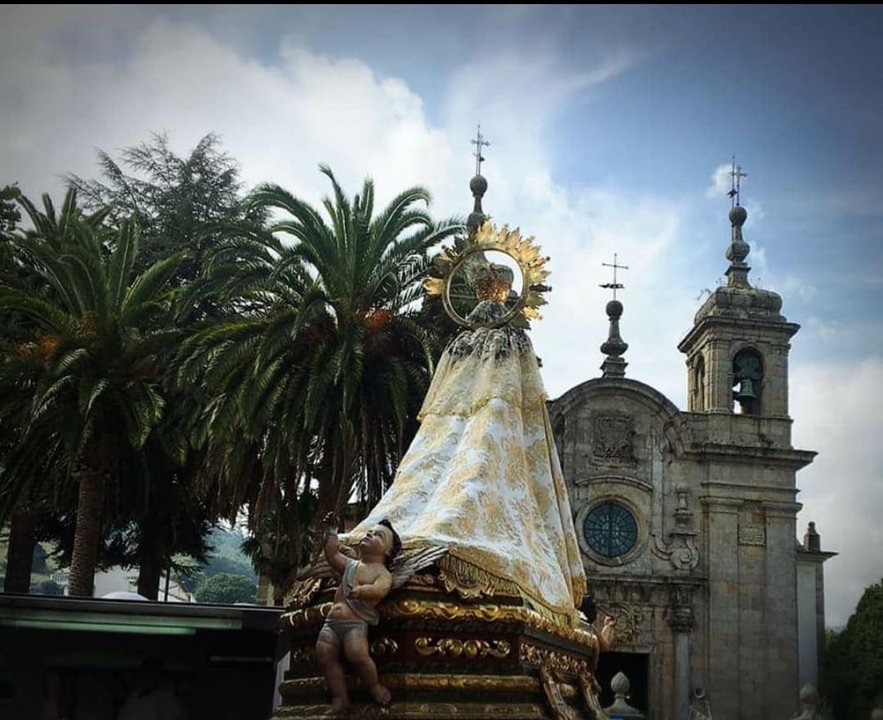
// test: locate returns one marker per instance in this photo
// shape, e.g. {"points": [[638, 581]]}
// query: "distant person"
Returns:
{"points": [[152, 698]]}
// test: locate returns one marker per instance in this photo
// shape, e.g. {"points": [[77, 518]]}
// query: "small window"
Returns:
{"points": [[699, 385]]}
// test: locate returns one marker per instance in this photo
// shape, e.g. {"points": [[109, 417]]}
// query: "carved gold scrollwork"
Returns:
{"points": [[422, 711], [303, 592], [551, 689], [469, 580], [469, 648], [560, 663], [384, 646], [302, 654], [590, 690], [493, 683], [418, 681], [305, 617], [434, 610]]}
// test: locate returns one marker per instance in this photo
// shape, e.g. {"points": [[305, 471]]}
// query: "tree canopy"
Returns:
{"points": [[853, 678], [176, 351], [226, 588]]}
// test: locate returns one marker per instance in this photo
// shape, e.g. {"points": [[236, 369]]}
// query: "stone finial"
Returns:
{"points": [[737, 273], [809, 694], [810, 704], [614, 347], [620, 708], [478, 186], [811, 540]]}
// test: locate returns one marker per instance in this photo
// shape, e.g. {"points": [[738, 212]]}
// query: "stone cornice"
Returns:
{"points": [[812, 556], [744, 326], [750, 454]]}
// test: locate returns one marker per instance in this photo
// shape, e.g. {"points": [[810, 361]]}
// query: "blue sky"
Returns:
{"points": [[608, 127]]}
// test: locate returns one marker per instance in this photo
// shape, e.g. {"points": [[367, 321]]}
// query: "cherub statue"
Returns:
{"points": [[606, 635], [364, 583]]}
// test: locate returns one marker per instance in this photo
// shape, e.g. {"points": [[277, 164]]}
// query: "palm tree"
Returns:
{"points": [[318, 377], [89, 368]]}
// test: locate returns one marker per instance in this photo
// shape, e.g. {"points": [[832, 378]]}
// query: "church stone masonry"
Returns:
{"points": [[687, 520]]}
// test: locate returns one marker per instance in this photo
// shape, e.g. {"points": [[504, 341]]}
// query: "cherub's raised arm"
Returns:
{"points": [[331, 545]]}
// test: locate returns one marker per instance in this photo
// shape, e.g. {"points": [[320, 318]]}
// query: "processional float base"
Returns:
{"points": [[445, 656]]}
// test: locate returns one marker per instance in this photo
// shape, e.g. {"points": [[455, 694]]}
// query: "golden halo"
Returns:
{"points": [[526, 254]]}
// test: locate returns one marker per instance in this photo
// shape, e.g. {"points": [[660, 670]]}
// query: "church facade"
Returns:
{"points": [[687, 520]]}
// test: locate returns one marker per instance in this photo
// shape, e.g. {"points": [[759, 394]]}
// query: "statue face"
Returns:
{"points": [[377, 541]]}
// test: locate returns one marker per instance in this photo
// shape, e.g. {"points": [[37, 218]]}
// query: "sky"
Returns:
{"points": [[612, 129]]}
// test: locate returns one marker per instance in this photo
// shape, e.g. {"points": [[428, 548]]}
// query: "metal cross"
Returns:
{"points": [[614, 285], [737, 175], [478, 142]]}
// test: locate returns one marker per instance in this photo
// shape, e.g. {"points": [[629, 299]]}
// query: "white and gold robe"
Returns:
{"points": [[482, 477]]}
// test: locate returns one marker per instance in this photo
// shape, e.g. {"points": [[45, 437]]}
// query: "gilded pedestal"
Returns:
{"points": [[446, 656]]}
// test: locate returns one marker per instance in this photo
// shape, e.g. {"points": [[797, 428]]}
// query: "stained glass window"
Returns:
{"points": [[610, 529]]}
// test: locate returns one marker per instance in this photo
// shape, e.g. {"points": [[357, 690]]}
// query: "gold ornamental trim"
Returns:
{"points": [[381, 647], [419, 681], [305, 617], [469, 580], [558, 662], [405, 609], [424, 710], [384, 646], [455, 647], [472, 573], [590, 690], [303, 654], [554, 696]]}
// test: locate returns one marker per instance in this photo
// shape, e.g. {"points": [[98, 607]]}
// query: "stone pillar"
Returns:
{"points": [[681, 621], [719, 377], [720, 525], [780, 680]]}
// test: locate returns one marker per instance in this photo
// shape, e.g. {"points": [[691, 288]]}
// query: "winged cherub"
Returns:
{"points": [[364, 582]]}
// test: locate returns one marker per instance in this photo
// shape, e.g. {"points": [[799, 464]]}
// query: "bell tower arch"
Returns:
{"points": [[737, 350]]}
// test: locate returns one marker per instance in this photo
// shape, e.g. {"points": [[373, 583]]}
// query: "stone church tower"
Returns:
{"points": [[688, 520]]}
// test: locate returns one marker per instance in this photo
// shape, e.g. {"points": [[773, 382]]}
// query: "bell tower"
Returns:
{"points": [[737, 379], [737, 349]]}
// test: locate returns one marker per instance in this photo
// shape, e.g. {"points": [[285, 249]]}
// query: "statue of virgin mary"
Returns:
{"points": [[481, 481]]}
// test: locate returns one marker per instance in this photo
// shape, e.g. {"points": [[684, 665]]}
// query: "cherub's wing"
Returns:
{"points": [[410, 561]]}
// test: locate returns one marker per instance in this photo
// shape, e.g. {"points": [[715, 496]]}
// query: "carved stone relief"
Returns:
{"points": [[613, 438], [681, 548]]}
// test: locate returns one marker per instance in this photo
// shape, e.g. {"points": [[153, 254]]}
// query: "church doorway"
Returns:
{"points": [[635, 666]]}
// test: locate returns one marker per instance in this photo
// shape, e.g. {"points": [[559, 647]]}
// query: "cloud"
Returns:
{"points": [[721, 181], [827, 330], [836, 412], [795, 287], [278, 120]]}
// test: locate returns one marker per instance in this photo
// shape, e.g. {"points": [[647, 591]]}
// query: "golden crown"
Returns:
{"points": [[492, 281]]}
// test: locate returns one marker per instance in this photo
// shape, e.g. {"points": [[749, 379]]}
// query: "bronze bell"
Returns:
{"points": [[746, 390]]}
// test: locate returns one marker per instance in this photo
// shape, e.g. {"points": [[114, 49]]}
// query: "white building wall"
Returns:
{"points": [[807, 624]]}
